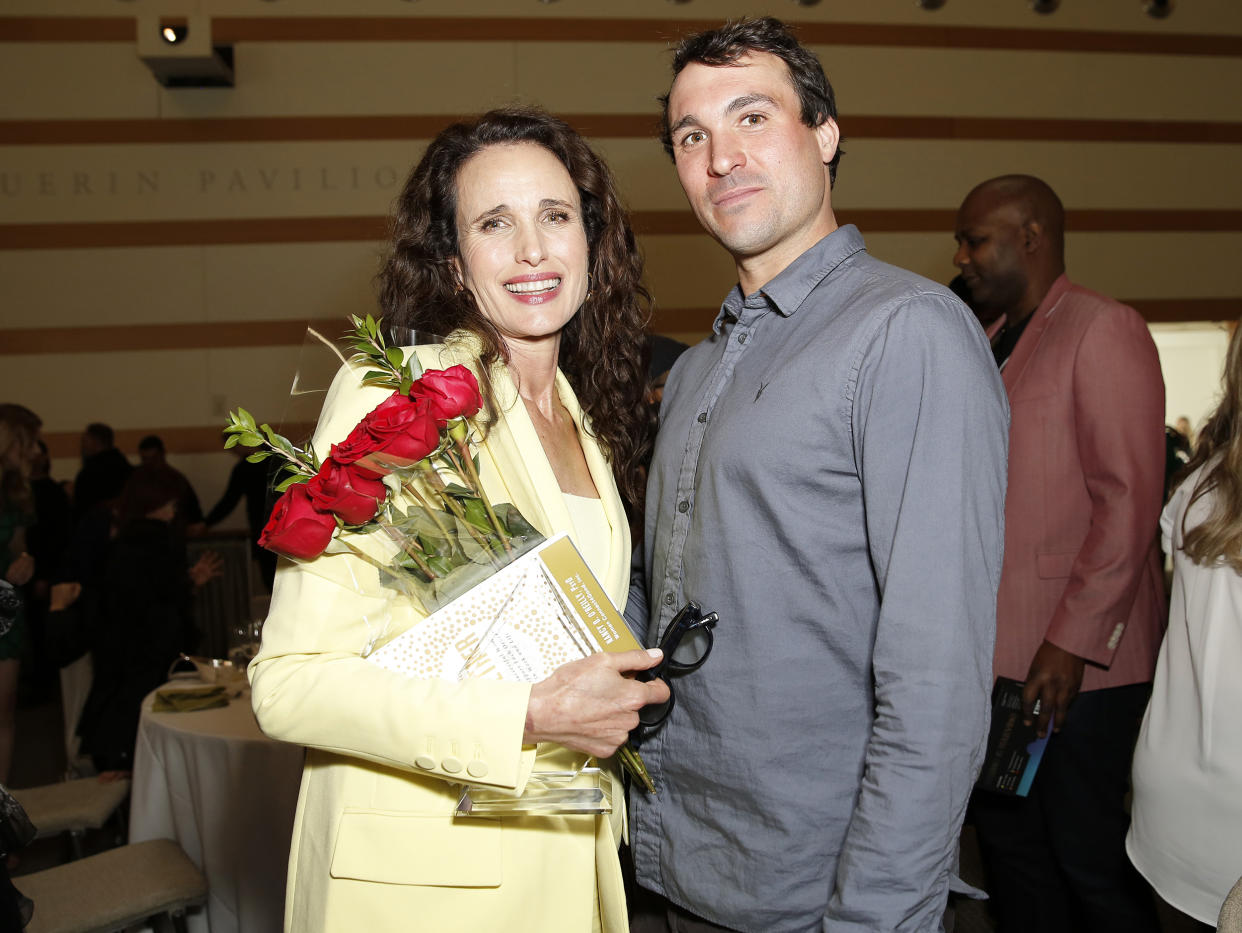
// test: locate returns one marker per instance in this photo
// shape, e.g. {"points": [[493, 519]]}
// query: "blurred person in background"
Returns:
{"points": [[252, 482], [19, 430], [46, 539], [151, 452], [1187, 812], [138, 613], [104, 470]]}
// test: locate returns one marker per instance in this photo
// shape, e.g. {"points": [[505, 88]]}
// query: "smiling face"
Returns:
{"points": [[755, 175], [522, 245]]}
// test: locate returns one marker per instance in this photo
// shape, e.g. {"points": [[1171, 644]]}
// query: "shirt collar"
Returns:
{"points": [[786, 293]]}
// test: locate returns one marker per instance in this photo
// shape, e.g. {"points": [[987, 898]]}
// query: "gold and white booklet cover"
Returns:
{"points": [[541, 611]]}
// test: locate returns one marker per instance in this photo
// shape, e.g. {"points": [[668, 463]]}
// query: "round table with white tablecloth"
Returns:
{"points": [[226, 793]]}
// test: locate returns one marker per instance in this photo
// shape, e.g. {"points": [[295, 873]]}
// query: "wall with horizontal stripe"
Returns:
{"points": [[162, 250]]}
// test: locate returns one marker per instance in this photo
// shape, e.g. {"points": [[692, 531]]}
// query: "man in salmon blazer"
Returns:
{"points": [[1080, 609]]}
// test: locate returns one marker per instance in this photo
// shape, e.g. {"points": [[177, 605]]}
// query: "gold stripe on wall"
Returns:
{"points": [[197, 439], [122, 338], [546, 29], [110, 235], [596, 125], [128, 337], [1176, 310]]}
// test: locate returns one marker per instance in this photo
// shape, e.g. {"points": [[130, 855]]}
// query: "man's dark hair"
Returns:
{"points": [[724, 46], [151, 442], [102, 433]]}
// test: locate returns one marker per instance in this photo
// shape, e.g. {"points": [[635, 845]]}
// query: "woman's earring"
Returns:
{"points": [[590, 289]]}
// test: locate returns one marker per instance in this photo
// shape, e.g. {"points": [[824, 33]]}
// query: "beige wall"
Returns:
{"points": [[100, 168]]}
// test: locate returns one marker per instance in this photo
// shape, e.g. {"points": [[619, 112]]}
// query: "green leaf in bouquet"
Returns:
{"points": [[247, 419], [276, 440], [476, 513], [441, 565], [376, 376], [458, 491], [406, 384], [258, 456], [286, 483], [250, 440], [447, 588], [231, 441], [395, 357], [515, 522], [434, 543]]}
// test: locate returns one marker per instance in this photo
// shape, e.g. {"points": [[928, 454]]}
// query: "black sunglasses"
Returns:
{"points": [[686, 643]]}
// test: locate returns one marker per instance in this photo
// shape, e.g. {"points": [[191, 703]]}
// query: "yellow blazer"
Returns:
{"points": [[375, 846]]}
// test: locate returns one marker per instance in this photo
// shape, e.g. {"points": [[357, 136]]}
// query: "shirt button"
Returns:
{"points": [[668, 599], [426, 762], [741, 338], [683, 506], [476, 769], [702, 417], [451, 765]]}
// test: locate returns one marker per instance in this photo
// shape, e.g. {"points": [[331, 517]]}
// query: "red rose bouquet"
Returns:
{"points": [[405, 471]]}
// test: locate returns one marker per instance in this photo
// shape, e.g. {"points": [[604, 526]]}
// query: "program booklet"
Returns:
{"points": [[1014, 749], [520, 624]]}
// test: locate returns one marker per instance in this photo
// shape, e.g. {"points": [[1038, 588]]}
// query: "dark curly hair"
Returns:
{"points": [[601, 350], [724, 46]]}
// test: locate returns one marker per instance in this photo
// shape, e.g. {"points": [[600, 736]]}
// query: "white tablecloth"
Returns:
{"points": [[226, 793]]}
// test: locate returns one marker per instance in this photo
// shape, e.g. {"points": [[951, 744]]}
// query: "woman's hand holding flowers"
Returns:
{"points": [[591, 705]]}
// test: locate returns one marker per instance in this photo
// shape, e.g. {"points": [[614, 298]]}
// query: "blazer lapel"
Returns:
{"points": [[1027, 344], [617, 580], [520, 466]]}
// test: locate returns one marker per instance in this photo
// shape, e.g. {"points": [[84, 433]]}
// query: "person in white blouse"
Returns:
{"points": [[1187, 812]]}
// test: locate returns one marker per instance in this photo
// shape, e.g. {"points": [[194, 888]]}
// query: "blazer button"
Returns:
{"points": [[451, 765], [476, 769], [426, 762]]}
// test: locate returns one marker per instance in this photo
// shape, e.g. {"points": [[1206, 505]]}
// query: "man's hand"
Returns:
{"points": [[592, 704], [1051, 684]]}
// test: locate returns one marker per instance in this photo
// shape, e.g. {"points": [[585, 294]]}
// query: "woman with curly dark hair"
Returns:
{"points": [[509, 242], [600, 347]]}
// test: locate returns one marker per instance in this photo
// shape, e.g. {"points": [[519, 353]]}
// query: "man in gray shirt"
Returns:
{"points": [[829, 477]]}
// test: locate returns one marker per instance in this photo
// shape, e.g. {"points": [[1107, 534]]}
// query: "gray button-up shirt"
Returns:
{"points": [[829, 477]]}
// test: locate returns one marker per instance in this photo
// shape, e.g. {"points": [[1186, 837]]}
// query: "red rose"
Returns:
{"points": [[400, 431], [452, 393], [297, 528], [353, 494]]}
